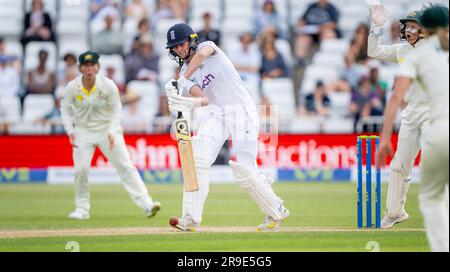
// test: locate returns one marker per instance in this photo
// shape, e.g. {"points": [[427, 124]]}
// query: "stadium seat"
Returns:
{"points": [[149, 92], [338, 125], [321, 72], [76, 46], [233, 27], [35, 106], [11, 27], [280, 92], [253, 88], [240, 11], [338, 46], [340, 102], [130, 30], [199, 7], [14, 48], [10, 105], [167, 66], [69, 11], [335, 60], [22, 128], [49, 7], [306, 124]]}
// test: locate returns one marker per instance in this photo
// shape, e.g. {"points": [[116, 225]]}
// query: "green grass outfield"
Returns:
{"points": [[323, 218]]}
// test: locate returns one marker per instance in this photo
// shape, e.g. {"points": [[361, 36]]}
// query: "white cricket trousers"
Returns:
{"points": [[414, 120], [434, 172], [85, 143], [216, 126]]}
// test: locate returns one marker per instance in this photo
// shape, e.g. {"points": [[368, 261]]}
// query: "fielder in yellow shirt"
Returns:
{"points": [[90, 112]]}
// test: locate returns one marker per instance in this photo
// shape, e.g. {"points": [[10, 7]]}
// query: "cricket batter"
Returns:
{"points": [[428, 64], [414, 116], [208, 78], [91, 116]]}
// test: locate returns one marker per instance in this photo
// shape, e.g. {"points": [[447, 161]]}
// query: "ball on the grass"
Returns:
{"points": [[173, 221]]}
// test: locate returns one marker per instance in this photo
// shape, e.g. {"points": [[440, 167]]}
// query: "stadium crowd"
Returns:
{"points": [[306, 60]]}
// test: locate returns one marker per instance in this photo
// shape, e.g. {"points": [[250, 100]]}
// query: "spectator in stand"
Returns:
{"points": [[4, 123], [41, 80], [109, 40], [144, 63], [99, 9], [169, 9], [272, 64], [95, 6], [132, 119], [12, 59], [339, 86], [70, 70], [209, 33], [111, 74], [377, 83], [319, 22], [54, 117], [143, 30], [37, 25], [316, 103], [9, 77], [352, 73], [365, 101], [359, 44], [247, 58], [136, 10], [266, 17], [162, 122]]}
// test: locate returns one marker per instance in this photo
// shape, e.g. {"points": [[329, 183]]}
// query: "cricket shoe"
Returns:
{"points": [[79, 214], [272, 225], [184, 224], [389, 222], [150, 212]]}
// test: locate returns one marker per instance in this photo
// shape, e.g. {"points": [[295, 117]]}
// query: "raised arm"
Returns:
{"points": [[402, 84], [381, 52]]}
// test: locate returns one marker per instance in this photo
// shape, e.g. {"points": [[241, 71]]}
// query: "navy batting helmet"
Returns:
{"points": [[178, 34]]}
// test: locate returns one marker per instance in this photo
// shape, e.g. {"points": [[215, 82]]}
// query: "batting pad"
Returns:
{"points": [[261, 193], [397, 189]]}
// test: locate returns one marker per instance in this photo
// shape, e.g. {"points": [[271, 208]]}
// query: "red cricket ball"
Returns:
{"points": [[173, 221]]}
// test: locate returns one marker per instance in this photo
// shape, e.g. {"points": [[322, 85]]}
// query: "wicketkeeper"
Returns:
{"points": [[415, 115]]}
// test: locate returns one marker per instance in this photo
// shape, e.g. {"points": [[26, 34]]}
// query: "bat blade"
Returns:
{"points": [[186, 155]]}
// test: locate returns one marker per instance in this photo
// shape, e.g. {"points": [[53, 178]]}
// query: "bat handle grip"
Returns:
{"points": [[175, 84]]}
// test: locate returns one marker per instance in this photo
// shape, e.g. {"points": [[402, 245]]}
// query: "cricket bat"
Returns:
{"points": [[186, 152]]}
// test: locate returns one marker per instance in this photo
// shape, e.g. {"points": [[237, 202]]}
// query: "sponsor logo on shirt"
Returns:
{"points": [[207, 80]]}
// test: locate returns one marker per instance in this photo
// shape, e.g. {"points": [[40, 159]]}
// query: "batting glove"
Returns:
{"points": [[179, 103], [170, 89], [182, 84]]}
